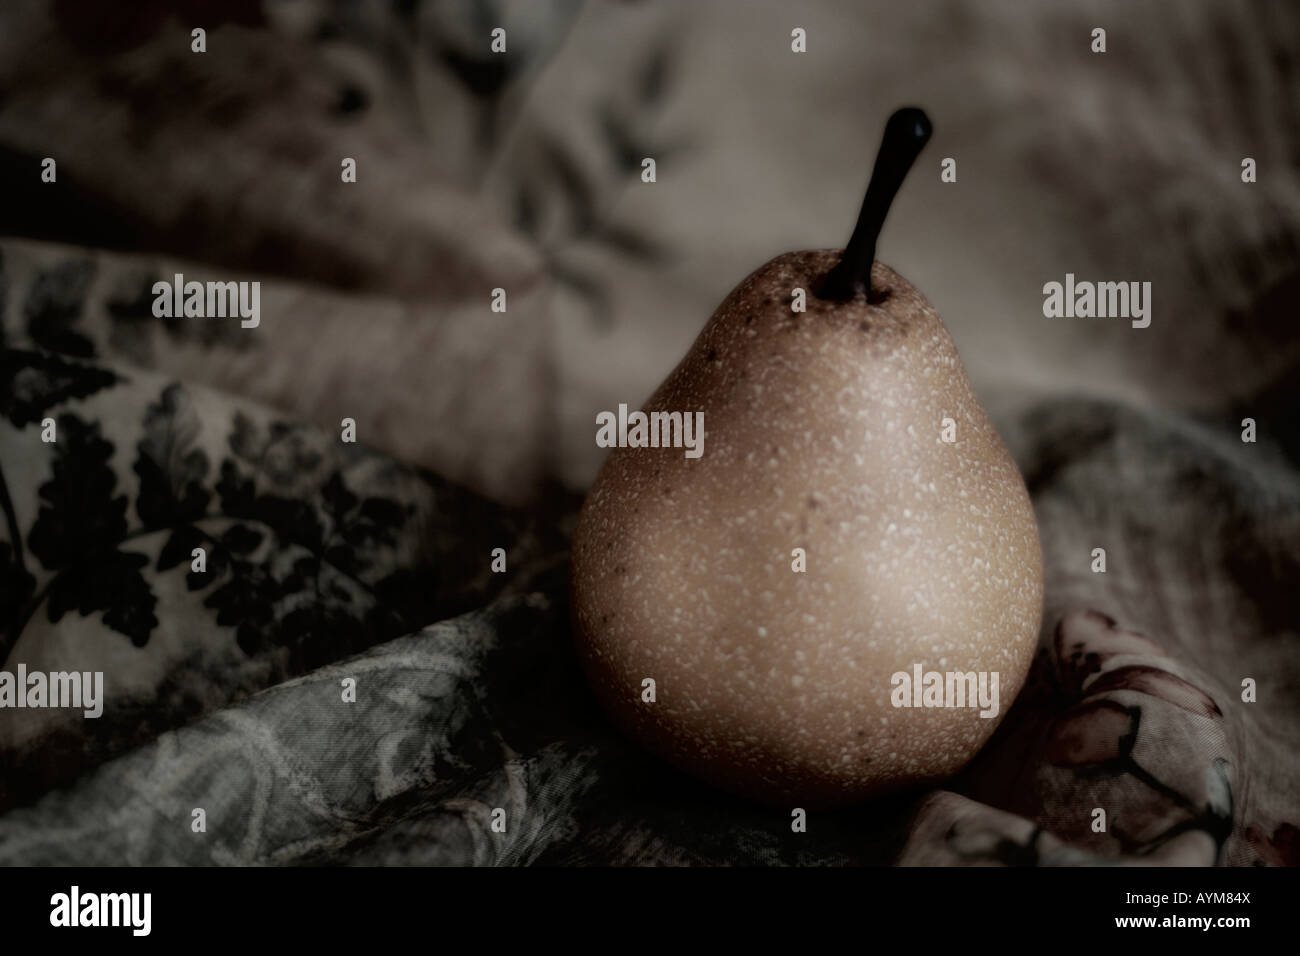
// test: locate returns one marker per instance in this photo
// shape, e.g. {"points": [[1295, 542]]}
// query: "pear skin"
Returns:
{"points": [[823, 431]]}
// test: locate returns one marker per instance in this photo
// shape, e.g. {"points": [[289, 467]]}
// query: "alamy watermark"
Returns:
{"points": [[178, 298], [1102, 300], [655, 430], [76, 689], [75, 908], [946, 689]]}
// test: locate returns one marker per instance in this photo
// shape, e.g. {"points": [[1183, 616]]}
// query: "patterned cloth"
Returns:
{"points": [[335, 568]]}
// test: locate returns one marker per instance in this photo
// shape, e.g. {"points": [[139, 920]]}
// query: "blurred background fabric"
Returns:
{"points": [[521, 172]]}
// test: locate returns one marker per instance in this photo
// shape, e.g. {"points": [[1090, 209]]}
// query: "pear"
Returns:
{"points": [[749, 615]]}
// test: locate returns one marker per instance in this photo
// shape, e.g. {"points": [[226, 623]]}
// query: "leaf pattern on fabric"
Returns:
{"points": [[53, 306], [172, 472], [80, 513], [35, 382], [78, 534], [111, 583], [314, 593], [313, 551]]}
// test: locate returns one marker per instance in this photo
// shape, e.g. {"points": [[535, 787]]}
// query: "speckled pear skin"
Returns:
{"points": [[823, 433]]}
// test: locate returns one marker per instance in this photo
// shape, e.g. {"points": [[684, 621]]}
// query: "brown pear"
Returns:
{"points": [[853, 517]]}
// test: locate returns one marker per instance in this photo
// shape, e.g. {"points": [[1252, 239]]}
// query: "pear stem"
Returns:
{"points": [[906, 133]]}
